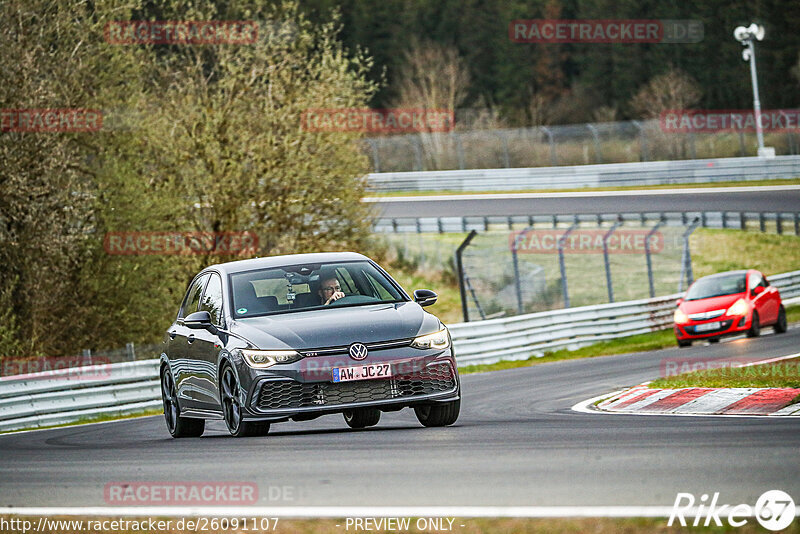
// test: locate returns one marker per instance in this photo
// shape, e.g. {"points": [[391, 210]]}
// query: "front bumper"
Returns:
{"points": [[729, 325], [308, 390]]}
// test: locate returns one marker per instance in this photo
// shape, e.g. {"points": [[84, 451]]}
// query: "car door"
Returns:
{"points": [[179, 342], [206, 345], [765, 302]]}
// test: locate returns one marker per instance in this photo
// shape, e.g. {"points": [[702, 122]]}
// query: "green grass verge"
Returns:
{"points": [[98, 419], [639, 343], [783, 374], [787, 181]]}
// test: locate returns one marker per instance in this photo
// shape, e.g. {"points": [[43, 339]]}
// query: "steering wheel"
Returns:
{"points": [[353, 299]]}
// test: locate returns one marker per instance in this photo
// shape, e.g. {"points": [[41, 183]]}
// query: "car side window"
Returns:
{"points": [[755, 281], [212, 299], [192, 299]]}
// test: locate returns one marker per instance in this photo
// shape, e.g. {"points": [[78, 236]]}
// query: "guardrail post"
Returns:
{"points": [[561, 266], [797, 223], [686, 257], [742, 221], [778, 223], [86, 357], [598, 154], [762, 223], [549, 134], [130, 351], [460, 271], [649, 260], [609, 283]]}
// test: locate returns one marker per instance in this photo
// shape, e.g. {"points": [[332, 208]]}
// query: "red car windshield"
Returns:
{"points": [[717, 286]]}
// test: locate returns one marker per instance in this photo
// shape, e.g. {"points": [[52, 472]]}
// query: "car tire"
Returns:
{"points": [[683, 344], [713, 340], [178, 426], [232, 408], [438, 414], [755, 326], [781, 326], [362, 417]]}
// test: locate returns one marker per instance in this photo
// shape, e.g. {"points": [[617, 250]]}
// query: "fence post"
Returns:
{"points": [[87, 356], [643, 155], [376, 159], [598, 154], [130, 350], [561, 265], [460, 271], [506, 158], [417, 143], [549, 134], [647, 255], [686, 257], [609, 283], [459, 150]]}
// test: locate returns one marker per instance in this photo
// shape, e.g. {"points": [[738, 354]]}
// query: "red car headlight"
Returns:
{"points": [[739, 307], [680, 317]]}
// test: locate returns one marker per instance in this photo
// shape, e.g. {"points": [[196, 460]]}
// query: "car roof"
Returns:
{"points": [[288, 259], [728, 273]]}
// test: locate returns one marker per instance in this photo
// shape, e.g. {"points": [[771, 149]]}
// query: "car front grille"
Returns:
{"points": [[723, 325], [277, 394]]}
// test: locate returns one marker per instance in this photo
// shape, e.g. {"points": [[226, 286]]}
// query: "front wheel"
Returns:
{"points": [[438, 414], [683, 344], [781, 326], [232, 407], [362, 417], [178, 426], [755, 327]]}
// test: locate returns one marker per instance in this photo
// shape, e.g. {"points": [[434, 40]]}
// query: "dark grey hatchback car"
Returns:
{"points": [[295, 337]]}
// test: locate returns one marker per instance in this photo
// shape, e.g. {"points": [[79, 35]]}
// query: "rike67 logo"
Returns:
{"points": [[774, 510]]}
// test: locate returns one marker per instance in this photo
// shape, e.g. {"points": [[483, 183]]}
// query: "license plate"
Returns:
{"points": [[705, 327], [362, 372]]}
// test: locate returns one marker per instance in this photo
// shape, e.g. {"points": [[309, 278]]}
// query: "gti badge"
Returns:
{"points": [[358, 351]]}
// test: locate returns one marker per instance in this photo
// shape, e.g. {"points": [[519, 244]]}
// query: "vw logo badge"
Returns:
{"points": [[358, 351]]}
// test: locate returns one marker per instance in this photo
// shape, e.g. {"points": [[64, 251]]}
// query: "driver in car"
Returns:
{"points": [[330, 290]]}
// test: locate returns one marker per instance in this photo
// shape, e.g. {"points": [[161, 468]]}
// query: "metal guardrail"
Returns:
{"points": [[70, 395], [784, 222], [588, 176]]}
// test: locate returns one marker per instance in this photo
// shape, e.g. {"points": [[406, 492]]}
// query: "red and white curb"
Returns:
{"points": [[700, 401]]}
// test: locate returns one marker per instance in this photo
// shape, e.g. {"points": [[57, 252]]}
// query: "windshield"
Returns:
{"points": [[717, 286], [310, 286]]}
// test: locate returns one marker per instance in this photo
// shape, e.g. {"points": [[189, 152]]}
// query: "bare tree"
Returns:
{"points": [[433, 76], [673, 90]]}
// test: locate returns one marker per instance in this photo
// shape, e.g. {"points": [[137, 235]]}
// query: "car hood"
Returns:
{"points": [[713, 303], [336, 327]]}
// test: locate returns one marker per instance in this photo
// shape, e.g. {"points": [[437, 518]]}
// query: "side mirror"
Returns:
{"points": [[758, 290], [198, 320], [425, 297], [680, 301]]}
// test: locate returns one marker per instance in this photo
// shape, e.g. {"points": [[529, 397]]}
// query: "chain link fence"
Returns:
{"points": [[578, 144]]}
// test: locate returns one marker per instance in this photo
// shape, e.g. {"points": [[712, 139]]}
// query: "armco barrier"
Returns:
{"points": [[586, 176], [70, 395]]}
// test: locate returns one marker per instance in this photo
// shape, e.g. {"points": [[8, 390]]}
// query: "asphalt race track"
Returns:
{"points": [[749, 199], [517, 443]]}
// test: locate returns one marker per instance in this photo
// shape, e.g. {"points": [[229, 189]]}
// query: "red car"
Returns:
{"points": [[728, 303]]}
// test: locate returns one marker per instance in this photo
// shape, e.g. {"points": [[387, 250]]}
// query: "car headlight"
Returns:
{"points": [[437, 340], [680, 317], [739, 307], [262, 359]]}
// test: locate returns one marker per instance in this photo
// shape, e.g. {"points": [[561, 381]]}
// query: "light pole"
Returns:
{"points": [[747, 36]]}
